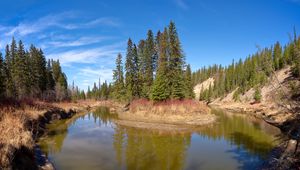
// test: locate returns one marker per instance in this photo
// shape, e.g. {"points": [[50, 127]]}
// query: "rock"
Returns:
{"points": [[291, 146]]}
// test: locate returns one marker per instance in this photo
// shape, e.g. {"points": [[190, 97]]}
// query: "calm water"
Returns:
{"points": [[93, 141]]}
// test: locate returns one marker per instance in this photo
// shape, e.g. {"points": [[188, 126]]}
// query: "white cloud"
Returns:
{"points": [[87, 56], [104, 21], [61, 20], [26, 28], [92, 75], [78, 42], [181, 4]]}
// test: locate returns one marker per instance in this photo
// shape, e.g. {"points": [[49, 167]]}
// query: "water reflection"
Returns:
{"points": [[93, 141], [242, 131], [136, 149]]}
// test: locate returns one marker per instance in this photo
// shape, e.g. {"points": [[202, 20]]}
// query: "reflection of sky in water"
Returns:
{"points": [[93, 141]]}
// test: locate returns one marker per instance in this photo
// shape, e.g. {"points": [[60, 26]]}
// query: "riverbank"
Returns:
{"points": [[287, 154], [22, 123]]}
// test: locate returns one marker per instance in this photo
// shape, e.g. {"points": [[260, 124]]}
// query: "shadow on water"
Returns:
{"points": [[247, 146]]}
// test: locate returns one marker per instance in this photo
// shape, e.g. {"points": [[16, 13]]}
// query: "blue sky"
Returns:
{"points": [[87, 35]]}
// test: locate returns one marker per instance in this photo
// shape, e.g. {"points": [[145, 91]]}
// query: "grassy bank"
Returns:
{"points": [[22, 122]]}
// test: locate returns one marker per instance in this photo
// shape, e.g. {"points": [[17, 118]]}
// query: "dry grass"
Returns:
{"points": [[13, 135], [180, 112], [15, 117], [173, 107]]}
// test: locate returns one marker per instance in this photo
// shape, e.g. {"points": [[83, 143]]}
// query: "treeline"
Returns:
{"points": [[253, 72], [154, 69], [27, 74]]}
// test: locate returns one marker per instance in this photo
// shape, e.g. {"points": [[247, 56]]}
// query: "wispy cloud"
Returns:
{"points": [[104, 21], [61, 20], [182, 4], [87, 56], [25, 28], [78, 42]]}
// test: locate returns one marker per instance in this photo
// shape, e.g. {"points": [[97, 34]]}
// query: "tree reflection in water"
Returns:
{"points": [[233, 141], [140, 149]]}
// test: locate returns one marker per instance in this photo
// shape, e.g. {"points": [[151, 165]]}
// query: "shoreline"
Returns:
{"points": [[32, 157], [283, 156], [38, 127]]}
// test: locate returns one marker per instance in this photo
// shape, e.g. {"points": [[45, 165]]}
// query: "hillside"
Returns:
{"points": [[203, 86], [272, 102]]}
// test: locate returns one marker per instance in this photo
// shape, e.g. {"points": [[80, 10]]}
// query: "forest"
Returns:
{"points": [[155, 69], [253, 72], [26, 74]]}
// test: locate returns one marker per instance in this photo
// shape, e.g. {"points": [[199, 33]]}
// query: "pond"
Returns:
{"points": [[94, 141]]}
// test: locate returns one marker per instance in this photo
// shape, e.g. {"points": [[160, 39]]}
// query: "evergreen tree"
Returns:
{"points": [[277, 55], [176, 62], [131, 68], [50, 80], [8, 69], [20, 72], [188, 83], [2, 77], [118, 85], [257, 95], [149, 63], [160, 89]]}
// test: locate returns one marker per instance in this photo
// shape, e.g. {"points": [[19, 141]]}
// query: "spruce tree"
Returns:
{"points": [[189, 93], [136, 87], [2, 77], [161, 88], [50, 80], [277, 55], [130, 70], [149, 63], [8, 69], [176, 62], [21, 74], [118, 78]]}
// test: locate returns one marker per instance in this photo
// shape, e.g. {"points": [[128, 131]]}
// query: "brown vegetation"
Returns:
{"points": [[178, 112], [21, 122]]}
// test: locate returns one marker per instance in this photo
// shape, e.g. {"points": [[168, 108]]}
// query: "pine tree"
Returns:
{"points": [[136, 87], [2, 77], [118, 84], [176, 62], [50, 80], [8, 69], [38, 70], [20, 73], [296, 57], [149, 63], [277, 55], [160, 89], [189, 93], [257, 95], [131, 68]]}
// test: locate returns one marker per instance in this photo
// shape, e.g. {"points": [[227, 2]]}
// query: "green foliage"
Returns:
{"points": [[189, 92], [161, 90], [257, 94], [27, 74], [118, 78], [251, 72], [2, 77], [155, 69]]}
